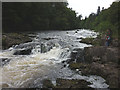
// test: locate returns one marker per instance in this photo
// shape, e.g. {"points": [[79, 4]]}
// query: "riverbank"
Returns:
{"points": [[96, 60], [66, 83], [10, 39], [100, 60]]}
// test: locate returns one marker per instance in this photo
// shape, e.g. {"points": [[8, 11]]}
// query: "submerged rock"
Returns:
{"points": [[4, 61]]}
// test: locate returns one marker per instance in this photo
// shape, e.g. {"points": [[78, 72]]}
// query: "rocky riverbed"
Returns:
{"points": [[9, 39], [100, 60], [96, 60]]}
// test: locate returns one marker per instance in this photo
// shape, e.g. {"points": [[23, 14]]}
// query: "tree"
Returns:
{"points": [[98, 10], [107, 18], [31, 16]]}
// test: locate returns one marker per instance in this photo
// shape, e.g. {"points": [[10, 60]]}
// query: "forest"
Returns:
{"points": [[104, 19], [17, 17], [34, 16]]}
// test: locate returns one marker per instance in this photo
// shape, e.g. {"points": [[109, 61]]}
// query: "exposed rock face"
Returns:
{"points": [[101, 54], [9, 39], [77, 55], [115, 42], [47, 84], [108, 71], [23, 52], [103, 61], [64, 83]]}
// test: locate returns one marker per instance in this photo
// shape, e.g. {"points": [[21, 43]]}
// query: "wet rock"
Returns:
{"points": [[94, 41], [23, 52], [5, 85], [77, 55], [49, 38], [9, 39], [64, 61], [102, 61], [47, 84], [93, 53], [76, 31], [65, 83], [64, 65], [45, 48], [108, 71], [75, 66], [79, 38], [4, 61]]}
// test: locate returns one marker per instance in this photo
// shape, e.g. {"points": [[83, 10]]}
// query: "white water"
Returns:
{"points": [[30, 70]]}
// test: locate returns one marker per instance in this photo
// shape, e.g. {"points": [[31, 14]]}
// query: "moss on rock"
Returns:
{"points": [[9, 39], [66, 83]]}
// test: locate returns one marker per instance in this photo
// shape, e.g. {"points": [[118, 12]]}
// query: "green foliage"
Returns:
{"points": [[106, 19], [29, 16]]}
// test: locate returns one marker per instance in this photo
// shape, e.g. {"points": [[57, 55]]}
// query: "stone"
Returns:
{"points": [[4, 61], [77, 55], [23, 52], [66, 83], [47, 83], [10, 39]]}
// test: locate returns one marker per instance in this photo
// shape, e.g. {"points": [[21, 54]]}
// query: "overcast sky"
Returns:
{"points": [[86, 7]]}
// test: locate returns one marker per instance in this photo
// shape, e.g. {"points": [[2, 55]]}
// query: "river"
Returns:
{"points": [[43, 60]]}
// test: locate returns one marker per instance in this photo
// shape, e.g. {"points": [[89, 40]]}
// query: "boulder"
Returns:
{"points": [[47, 83], [10, 39], [102, 61], [4, 61], [115, 43], [23, 52], [101, 53], [77, 84], [77, 55]]}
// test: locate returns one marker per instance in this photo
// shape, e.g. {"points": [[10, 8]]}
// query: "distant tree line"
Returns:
{"points": [[104, 19], [31, 16]]}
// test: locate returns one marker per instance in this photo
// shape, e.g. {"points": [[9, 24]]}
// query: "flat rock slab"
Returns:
{"points": [[66, 83]]}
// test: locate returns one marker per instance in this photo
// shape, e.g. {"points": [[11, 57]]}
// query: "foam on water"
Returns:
{"points": [[30, 70], [23, 68]]}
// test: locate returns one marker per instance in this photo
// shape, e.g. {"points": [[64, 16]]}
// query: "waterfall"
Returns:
{"points": [[27, 64]]}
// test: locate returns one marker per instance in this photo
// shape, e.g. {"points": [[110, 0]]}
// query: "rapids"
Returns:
{"points": [[44, 61]]}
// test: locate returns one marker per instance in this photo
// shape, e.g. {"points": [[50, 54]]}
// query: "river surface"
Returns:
{"points": [[44, 59]]}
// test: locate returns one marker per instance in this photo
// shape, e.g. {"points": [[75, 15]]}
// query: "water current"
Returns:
{"points": [[27, 64]]}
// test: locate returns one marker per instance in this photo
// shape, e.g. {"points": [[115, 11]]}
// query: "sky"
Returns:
{"points": [[86, 7]]}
